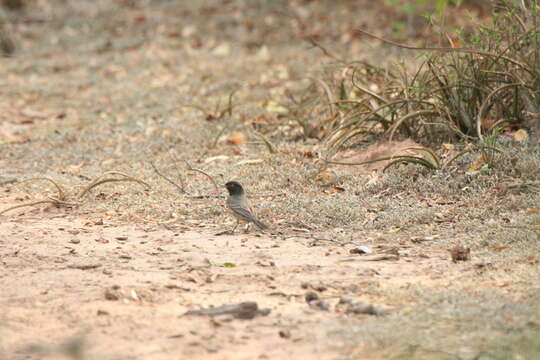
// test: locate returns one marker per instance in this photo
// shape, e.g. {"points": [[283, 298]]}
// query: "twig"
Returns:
{"points": [[485, 103], [448, 49], [517, 185], [61, 193], [8, 181], [216, 138], [367, 91], [377, 257], [203, 196], [181, 188], [271, 147], [97, 181], [315, 239], [191, 168], [398, 123], [51, 200], [325, 51]]}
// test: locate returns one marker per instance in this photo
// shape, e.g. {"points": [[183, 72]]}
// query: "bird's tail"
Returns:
{"points": [[260, 225]]}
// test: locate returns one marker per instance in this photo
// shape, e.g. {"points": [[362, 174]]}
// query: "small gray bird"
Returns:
{"points": [[239, 205]]}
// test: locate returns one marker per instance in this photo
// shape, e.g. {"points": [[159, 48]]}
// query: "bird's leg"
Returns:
{"points": [[248, 227], [235, 226]]}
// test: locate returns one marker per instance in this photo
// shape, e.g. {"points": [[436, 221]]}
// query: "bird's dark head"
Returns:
{"points": [[234, 188]]}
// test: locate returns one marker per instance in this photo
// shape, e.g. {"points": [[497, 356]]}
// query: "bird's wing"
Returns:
{"points": [[242, 211]]}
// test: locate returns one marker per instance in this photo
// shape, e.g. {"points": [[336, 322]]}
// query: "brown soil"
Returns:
{"points": [[124, 289], [114, 85]]}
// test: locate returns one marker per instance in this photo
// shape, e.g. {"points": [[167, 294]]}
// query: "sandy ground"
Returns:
{"points": [[114, 85], [118, 287]]}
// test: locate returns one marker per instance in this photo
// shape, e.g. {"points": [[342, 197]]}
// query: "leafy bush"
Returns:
{"points": [[490, 82]]}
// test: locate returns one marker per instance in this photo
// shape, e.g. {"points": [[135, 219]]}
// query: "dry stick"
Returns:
{"points": [[216, 138], [315, 239], [271, 147], [408, 116], [484, 105], [181, 188], [357, 163], [61, 193], [191, 168], [52, 201], [325, 51], [329, 96], [8, 181], [369, 92], [443, 49], [29, 204], [97, 181]]}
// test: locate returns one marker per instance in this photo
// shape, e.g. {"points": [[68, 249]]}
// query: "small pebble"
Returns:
{"points": [[284, 333]]}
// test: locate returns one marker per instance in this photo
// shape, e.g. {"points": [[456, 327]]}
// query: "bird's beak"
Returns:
{"points": [[222, 185]]}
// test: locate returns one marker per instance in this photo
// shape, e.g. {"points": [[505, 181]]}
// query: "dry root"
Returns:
{"points": [[62, 198]]}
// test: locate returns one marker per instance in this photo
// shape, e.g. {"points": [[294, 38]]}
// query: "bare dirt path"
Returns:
{"points": [[102, 85], [124, 289]]}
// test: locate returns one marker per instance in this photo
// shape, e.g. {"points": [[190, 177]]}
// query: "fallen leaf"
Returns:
{"points": [[107, 162], [250, 162], [338, 188], [75, 169], [325, 175], [521, 135], [223, 264], [222, 50], [448, 147], [275, 107], [474, 168], [236, 138], [34, 114], [502, 247], [215, 158], [263, 53], [111, 213], [479, 160], [530, 211]]}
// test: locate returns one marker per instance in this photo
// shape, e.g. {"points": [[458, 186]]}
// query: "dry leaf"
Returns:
{"points": [[250, 162], [338, 188], [479, 160], [111, 213], [236, 138], [502, 247], [521, 135], [222, 50], [532, 211], [34, 114], [474, 168], [448, 147], [107, 162], [274, 107], [75, 169], [263, 53], [215, 158]]}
